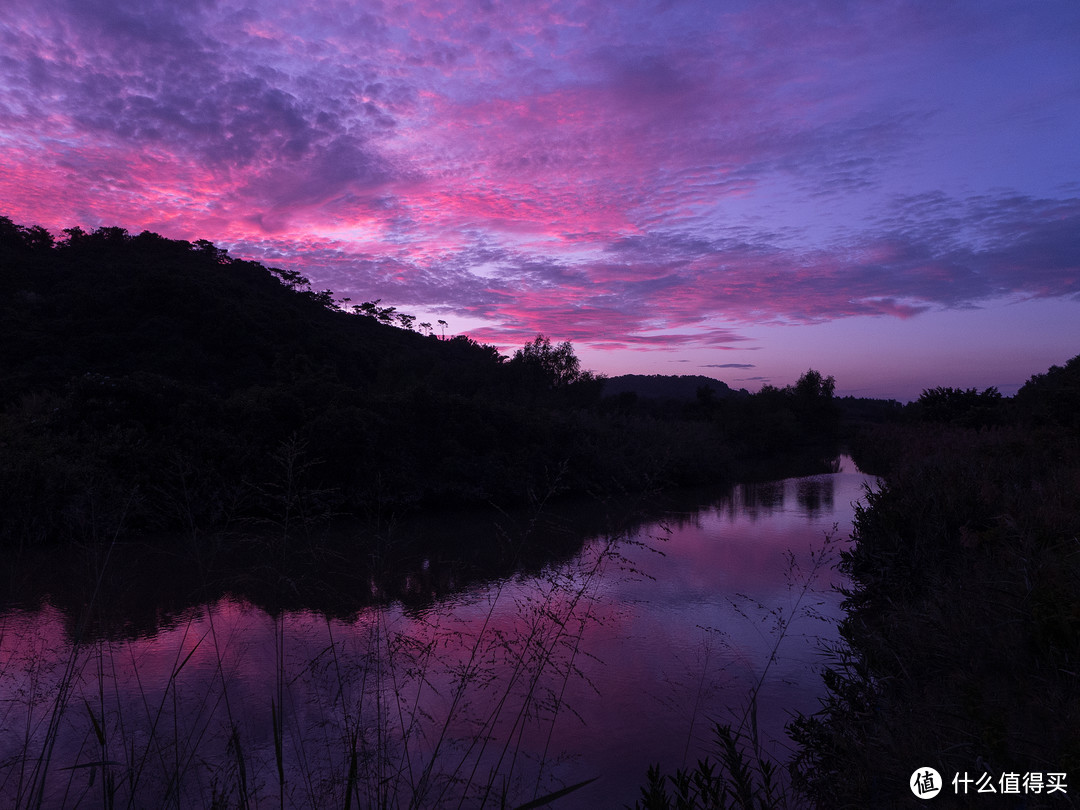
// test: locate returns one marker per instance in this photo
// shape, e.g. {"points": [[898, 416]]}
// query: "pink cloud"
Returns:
{"points": [[620, 175]]}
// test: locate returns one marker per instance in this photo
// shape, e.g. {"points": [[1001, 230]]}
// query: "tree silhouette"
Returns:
{"points": [[960, 406], [554, 366], [18, 237]]}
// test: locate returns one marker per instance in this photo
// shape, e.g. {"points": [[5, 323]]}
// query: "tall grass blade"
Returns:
{"points": [[558, 794]]}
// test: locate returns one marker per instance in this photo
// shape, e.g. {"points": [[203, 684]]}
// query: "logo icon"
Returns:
{"points": [[925, 783]]}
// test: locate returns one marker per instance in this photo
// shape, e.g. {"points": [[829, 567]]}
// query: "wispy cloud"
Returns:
{"points": [[631, 175]]}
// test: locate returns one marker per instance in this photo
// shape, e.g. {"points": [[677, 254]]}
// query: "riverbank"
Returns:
{"points": [[957, 665], [961, 642]]}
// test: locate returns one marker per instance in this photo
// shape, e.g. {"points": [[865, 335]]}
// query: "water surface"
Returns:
{"points": [[446, 684]]}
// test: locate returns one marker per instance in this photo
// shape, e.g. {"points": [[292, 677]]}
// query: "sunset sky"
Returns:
{"points": [[886, 191]]}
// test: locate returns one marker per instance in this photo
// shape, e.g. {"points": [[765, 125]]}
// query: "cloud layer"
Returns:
{"points": [[630, 175]]}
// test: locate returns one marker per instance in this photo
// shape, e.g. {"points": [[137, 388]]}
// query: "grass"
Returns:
{"points": [[386, 710], [962, 637], [742, 773]]}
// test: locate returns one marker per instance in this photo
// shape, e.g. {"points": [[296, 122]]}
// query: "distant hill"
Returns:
{"points": [[682, 387]]}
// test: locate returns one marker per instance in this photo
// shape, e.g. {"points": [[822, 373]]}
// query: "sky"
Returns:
{"points": [[888, 192]]}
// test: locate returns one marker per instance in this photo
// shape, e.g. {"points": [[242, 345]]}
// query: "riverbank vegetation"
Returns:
{"points": [[156, 384], [962, 634], [961, 638]]}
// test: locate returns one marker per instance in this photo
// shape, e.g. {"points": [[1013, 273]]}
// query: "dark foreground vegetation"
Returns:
{"points": [[962, 633], [150, 383], [961, 642]]}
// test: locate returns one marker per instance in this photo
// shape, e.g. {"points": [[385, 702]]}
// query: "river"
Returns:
{"points": [[445, 684]]}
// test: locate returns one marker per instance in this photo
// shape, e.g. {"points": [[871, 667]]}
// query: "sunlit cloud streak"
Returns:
{"points": [[630, 176]]}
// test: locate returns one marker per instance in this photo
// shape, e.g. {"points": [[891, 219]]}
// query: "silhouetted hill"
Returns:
{"points": [[113, 304], [154, 382], [683, 387]]}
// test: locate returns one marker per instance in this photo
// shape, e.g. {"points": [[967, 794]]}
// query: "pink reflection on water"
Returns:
{"points": [[600, 666]]}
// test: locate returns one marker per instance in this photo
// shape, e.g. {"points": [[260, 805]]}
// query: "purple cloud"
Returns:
{"points": [[628, 176]]}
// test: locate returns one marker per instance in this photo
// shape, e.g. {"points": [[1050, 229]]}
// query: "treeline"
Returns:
{"points": [[961, 640], [148, 382], [662, 388], [805, 417], [1046, 400]]}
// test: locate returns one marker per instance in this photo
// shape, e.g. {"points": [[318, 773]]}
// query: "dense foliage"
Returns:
{"points": [[962, 635], [147, 381], [666, 388]]}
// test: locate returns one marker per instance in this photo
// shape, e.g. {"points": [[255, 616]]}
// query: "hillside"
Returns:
{"points": [[154, 382], [682, 388]]}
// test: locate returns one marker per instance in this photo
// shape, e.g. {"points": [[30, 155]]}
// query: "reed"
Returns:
{"points": [[742, 773], [349, 712], [962, 631]]}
